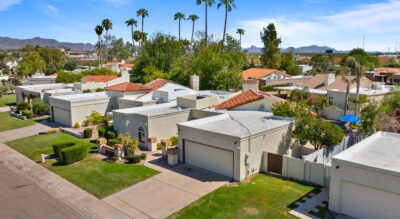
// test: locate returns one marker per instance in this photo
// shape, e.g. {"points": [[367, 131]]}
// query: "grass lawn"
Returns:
{"points": [[99, 178], [262, 197], [8, 122], [7, 100]]}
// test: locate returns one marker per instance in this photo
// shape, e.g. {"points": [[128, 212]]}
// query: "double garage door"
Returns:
{"points": [[209, 158], [61, 116], [366, 202]]}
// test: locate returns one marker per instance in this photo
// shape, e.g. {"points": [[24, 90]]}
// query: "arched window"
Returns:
{"points": [[142, 135]]}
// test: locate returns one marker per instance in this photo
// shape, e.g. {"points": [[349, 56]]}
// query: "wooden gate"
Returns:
{"points": [[274, 163]]}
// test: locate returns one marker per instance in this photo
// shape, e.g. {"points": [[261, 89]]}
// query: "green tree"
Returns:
{"points": [[322, 64], [320, 104], [325, 134], [207, 3], [68, 77], [368, 61], [71, 64], [31, 63], [179, 16], [232, 44], [369, 115], [229, 5], [151, 73], [132, 22], [119, 50], [240, 31], [271, 53], [107, 25], [288, 64], [193, 18], [142, 13], [99, 31], [358, 71], [54, 59]]}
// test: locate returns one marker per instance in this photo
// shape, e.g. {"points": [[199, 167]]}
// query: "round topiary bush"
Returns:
{"points": [[143, 156], [77, 125], [87, 133], [102, 132], [110, 135], [134, 159], [112, 142]]}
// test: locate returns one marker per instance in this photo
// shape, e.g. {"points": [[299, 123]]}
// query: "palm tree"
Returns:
{"points": [[193, 18], [240, 31], [142, 13], [229, 5], [107, 25], [179, 16], [132, 22], [99, 31], [207, 3]]}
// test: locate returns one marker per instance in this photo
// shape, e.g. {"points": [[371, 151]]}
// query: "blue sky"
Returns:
{"points": [[336, 23]]}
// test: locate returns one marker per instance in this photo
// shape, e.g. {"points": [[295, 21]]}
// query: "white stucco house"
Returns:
{"points": [[43, 91], [365, 178], [41, 78], [233, 143]]}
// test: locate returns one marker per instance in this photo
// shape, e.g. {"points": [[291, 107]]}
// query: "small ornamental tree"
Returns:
{"points": [[131, 144], [369, 115], [95, 118]]}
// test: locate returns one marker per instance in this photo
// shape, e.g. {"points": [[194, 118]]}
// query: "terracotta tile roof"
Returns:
{"points": [[318, 82], [127, 87], [388, 70], [126, 65], [99, 78], [258, 73], [156, 84], [245, 98]]}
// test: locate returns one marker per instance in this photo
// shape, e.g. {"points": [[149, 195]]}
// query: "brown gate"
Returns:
{"points": [[274, 163]]}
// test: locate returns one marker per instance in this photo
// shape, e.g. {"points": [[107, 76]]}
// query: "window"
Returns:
{"points": [[142, 135]]}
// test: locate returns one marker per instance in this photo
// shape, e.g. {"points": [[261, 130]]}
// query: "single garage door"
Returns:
{"points": [[366, 202], [62, 116], [209, 158]]}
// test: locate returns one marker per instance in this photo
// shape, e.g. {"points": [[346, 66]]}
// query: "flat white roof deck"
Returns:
{"points": [[292, 88], [379, 151], [152, 110], [82, 97], [238, 123]]}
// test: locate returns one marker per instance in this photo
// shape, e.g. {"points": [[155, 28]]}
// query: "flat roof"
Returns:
{"points": [[292, 88], [82, 97], [381, 150], [239, 123], [153, 110]]}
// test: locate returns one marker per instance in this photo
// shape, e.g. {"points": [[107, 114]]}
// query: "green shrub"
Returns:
{"points": [[23, 106], [73, 154], [39, 107], [77, 125], [361, 99], [266, 88], [102, 131], [27, 113], [159, 146], [115, 158], [99, 89], [134, 159], [143, 156], [110, 135], [87, 91], [57, 148], [112, 142], [87, 133], [174, 140]]}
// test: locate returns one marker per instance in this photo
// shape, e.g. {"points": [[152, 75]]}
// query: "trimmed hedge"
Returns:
{"points": [[112, 142], [87, 133], [110, 135], [143, 156], [102, 132], [134, 159], [27, 113], [74, 154], [57, 148]]}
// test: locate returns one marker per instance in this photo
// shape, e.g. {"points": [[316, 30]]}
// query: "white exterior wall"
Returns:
{"points": [[172, 91], [375, 179], [164, 126], [130, 123]]}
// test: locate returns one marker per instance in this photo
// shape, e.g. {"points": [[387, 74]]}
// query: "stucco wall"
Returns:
{"points": [[130, 123], [79, 112], [192, 102], [164, 127]]}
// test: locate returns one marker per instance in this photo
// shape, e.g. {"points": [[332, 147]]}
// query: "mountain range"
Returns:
{"points": [[303, 49], [12, 43]]}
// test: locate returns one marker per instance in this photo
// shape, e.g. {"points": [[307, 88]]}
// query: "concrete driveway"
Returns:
{"points": [[168, 192]]}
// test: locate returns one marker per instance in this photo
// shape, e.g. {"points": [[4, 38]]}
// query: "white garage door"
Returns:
{"points": [[366, 202], [62, 116], [209, 158]]}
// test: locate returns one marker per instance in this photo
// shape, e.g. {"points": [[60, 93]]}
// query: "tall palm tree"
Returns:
{"points": [[193, 18], [132, 22], [229, 5], [99, 31], [179, 16], [207, 3], [107, 25], [142, 13], [240, 31]]}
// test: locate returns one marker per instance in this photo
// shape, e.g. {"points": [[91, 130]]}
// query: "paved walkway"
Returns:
{"points": [[164, 194], [309, 204], [4, 109]]}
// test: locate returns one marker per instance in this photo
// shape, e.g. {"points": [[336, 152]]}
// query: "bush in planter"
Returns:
{"points": [[27, 113], [77, 125], [99, 89], [112, 142], [102, 131], [74, 153], [134, 159], [57, 148], [143, 156], [23, 106], [174, 140], [87, 133], [159, 146], [110, 135]]}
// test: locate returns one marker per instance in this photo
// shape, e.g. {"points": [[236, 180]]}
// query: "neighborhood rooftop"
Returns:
{"points": [[151, 110], [82, 97], [239, 123], [381, 150]]}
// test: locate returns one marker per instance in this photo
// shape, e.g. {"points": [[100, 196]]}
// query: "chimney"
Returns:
{"points": [[329, 79], [194, 82], [250, 84]]}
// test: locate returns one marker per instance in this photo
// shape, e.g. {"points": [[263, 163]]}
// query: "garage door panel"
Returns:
{"points": [[366, 202], [62, 116], [209, 158]]}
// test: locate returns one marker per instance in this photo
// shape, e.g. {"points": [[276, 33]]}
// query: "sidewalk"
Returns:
{"points": [[4, 109]]}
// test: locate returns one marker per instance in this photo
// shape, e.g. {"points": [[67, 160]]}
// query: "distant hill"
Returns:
{"points": [[303, 49], [12, 43]]}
